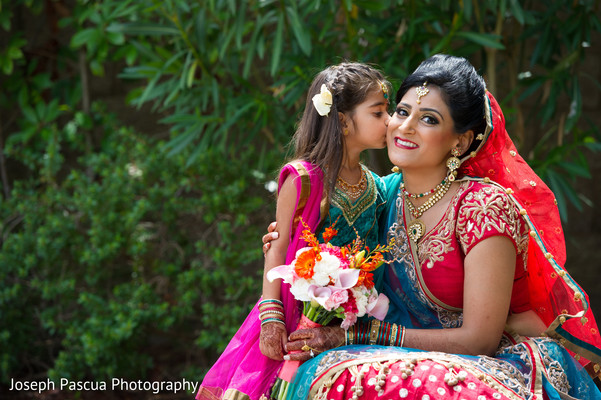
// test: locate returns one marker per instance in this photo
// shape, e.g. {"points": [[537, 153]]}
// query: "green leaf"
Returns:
{"points": [[191, 73], [575, 169], [373, 5], [483, 39], [115, 38], [30, 115], [182, 140], [7, 65], [556, 187], [83, 37], [159, 73], [517, 11], [468, 9], [142, 29], [532, 86], [301, 34], [15, 53], [277, 45]]}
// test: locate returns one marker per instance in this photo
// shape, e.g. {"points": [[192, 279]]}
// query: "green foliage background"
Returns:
{"points": [[133, 253]]}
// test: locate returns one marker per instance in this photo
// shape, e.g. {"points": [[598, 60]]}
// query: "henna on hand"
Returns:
{"points": [[304, 344], [272, 340]]}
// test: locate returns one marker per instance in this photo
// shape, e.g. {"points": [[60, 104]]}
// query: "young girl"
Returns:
{"points": [[326, 186]]}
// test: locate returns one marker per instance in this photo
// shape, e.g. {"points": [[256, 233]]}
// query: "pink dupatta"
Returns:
{"points": [[242, 372]]}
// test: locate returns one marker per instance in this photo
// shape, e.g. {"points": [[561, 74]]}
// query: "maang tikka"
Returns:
{"points": [[421, 91]]}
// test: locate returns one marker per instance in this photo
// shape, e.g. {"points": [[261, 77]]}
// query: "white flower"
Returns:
{"points": [[323, 101], [325, 268], [271, 186], [133, 170], [361, 299], [300, 289]]}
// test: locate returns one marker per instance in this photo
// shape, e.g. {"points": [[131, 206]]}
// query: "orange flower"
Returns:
{"points": [[305, 263], [328, 234], [366, 279], [374, 262]]}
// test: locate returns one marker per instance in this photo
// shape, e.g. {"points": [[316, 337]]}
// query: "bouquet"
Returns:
{"points": [[332, 282]]}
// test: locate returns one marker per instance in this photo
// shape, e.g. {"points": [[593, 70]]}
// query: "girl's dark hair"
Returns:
{"points": [[463, 90], [319, 139]]}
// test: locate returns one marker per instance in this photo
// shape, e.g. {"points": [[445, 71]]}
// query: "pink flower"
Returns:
{"points": [[320, 294], [347, 278], [378, 308], [349, 320], [284, 272], [337, 298], [351, 305]]}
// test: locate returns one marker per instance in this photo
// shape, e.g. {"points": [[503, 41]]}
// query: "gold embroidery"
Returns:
{"points": [[488, 205], [233, 394], [497, 374], [402, 253], [495, 212], [350, 210], [438, 241]]}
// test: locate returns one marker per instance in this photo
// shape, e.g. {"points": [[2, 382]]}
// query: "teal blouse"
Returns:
{"points": [[356, 218]]}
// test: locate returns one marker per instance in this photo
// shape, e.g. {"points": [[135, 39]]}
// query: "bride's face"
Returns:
{"points": [[421, 135]]}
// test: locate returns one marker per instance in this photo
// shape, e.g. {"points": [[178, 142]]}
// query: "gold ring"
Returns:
{"points": [[306, 348]]}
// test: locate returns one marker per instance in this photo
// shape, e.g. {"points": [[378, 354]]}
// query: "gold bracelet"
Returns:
{"points": [[350, 333], [403, 337], [393, 335], [375, 329]]}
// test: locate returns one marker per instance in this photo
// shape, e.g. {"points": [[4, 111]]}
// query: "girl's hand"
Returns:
{"points": [[268, 237], [307, 343], [272, 340]]}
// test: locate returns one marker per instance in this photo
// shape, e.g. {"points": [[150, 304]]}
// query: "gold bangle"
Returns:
{"points": [[403, 336], [350, 333], [393, 335], [375, 329]]}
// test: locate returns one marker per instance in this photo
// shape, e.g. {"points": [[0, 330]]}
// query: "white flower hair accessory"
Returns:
{"points": [[323, 101]]}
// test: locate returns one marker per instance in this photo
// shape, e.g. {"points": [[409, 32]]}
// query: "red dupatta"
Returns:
{"points": [[554, 295]]}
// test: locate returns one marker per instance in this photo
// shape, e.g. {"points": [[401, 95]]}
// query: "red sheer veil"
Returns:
{"points": [[554, 295]]}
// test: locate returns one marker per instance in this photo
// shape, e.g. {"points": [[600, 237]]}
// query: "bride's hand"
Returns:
{"points": [[304, 344], [268, 237]]}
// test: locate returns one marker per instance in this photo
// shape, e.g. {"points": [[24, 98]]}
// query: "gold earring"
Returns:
{"points": [[453, 164], [345, 131], [396, 169]]}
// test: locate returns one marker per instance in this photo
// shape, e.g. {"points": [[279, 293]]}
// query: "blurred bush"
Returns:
{"points": [[130, 254]]}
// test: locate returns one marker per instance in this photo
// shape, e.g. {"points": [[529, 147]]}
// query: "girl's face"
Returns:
{"points": [[421, 135], [367, 124]]}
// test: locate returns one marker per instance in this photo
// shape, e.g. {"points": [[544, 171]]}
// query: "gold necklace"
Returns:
{"points": [[417, 228], [356, 190]]}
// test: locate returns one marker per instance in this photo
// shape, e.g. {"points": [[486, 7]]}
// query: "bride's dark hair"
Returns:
{"points": [[319, 139], [462, 88]]}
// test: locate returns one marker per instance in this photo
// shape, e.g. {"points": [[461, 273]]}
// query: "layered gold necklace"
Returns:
{"points": [[417, 228], [353, 191]]}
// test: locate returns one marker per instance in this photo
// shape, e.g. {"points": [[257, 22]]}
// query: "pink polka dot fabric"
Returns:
{"points": [[425, 382]]}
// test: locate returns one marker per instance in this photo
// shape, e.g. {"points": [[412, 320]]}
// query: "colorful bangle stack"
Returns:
{"points": [[358, 333], [376, 332], [271, 310]]}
